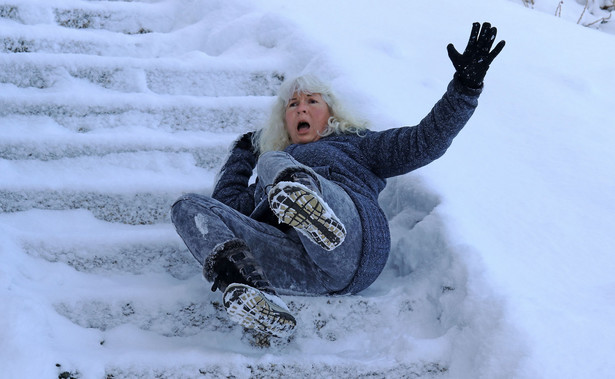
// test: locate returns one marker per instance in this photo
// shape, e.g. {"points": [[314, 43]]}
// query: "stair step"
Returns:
{"points": [[196, 75], [182, 318], [77, 239], [123, 257], [54, 148], [81, 113], [92, 246], [39, 138], [283, 366], [189, 311], [180, 308], [134, 188], [117, 16], [136, 208], [121, 17], [49, 38], [112, 173]]}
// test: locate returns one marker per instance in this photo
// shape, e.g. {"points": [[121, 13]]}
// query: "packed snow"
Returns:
{"points": [[502, 250]]}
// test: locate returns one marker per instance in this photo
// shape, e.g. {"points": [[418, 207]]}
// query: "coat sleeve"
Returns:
{"points": [[232, 185], [398, 151]]}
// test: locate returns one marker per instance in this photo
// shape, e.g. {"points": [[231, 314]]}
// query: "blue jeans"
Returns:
{"points": [[291, 261]]}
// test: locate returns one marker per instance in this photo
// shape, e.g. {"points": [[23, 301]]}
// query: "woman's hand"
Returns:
{"points": [[245, 142], [471, 66]]}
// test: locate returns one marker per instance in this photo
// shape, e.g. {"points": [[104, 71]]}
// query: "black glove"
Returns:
{"points": [[472, 65], [245, 142]]}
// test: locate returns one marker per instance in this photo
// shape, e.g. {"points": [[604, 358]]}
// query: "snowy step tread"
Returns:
{"points": [[77, 239], [134, 188], [118, 16], [113, 173], [129, 208], [197, 75], [226, 114], [40, 138]]}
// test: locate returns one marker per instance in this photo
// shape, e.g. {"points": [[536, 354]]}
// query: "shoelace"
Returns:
{"points": [[254, 276], [240, 267], [305, 179]]}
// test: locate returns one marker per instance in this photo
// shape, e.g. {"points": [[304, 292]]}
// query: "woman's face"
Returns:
{"points": [[307, 115]]}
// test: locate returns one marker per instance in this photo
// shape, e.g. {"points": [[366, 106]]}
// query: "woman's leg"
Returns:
{"points": [[203, 223], [340, 264]]}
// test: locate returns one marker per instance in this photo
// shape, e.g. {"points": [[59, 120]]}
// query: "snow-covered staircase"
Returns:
{"points": [[109, 110], [114, 103]]}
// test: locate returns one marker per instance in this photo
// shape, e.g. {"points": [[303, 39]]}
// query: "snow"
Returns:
{"points": [[502, 256]]}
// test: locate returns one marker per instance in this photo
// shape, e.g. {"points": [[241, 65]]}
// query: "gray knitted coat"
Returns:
{"points": [[360, 165]]}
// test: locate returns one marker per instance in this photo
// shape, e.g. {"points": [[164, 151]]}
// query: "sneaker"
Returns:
{"points": [[299, 206], [258, 310]]}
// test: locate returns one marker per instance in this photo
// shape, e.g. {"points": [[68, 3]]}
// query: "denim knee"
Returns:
{"points": [[187, 202], [177, 209]]}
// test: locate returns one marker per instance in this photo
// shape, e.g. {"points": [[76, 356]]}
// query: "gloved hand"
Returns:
{"points": [[245, 142], [471, 66]]}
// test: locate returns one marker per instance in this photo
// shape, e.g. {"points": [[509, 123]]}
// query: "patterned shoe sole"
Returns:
{"points": [[296, 205], [251, 308]]}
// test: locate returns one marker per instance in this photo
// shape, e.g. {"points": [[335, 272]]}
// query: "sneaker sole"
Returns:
{"points": [[252, 309], [296, 205]]}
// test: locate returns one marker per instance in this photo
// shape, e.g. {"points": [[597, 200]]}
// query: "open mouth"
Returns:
{"points": [[303, 126]]}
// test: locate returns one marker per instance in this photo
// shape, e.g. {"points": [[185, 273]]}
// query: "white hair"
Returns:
{"points": [[274, 136]]}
